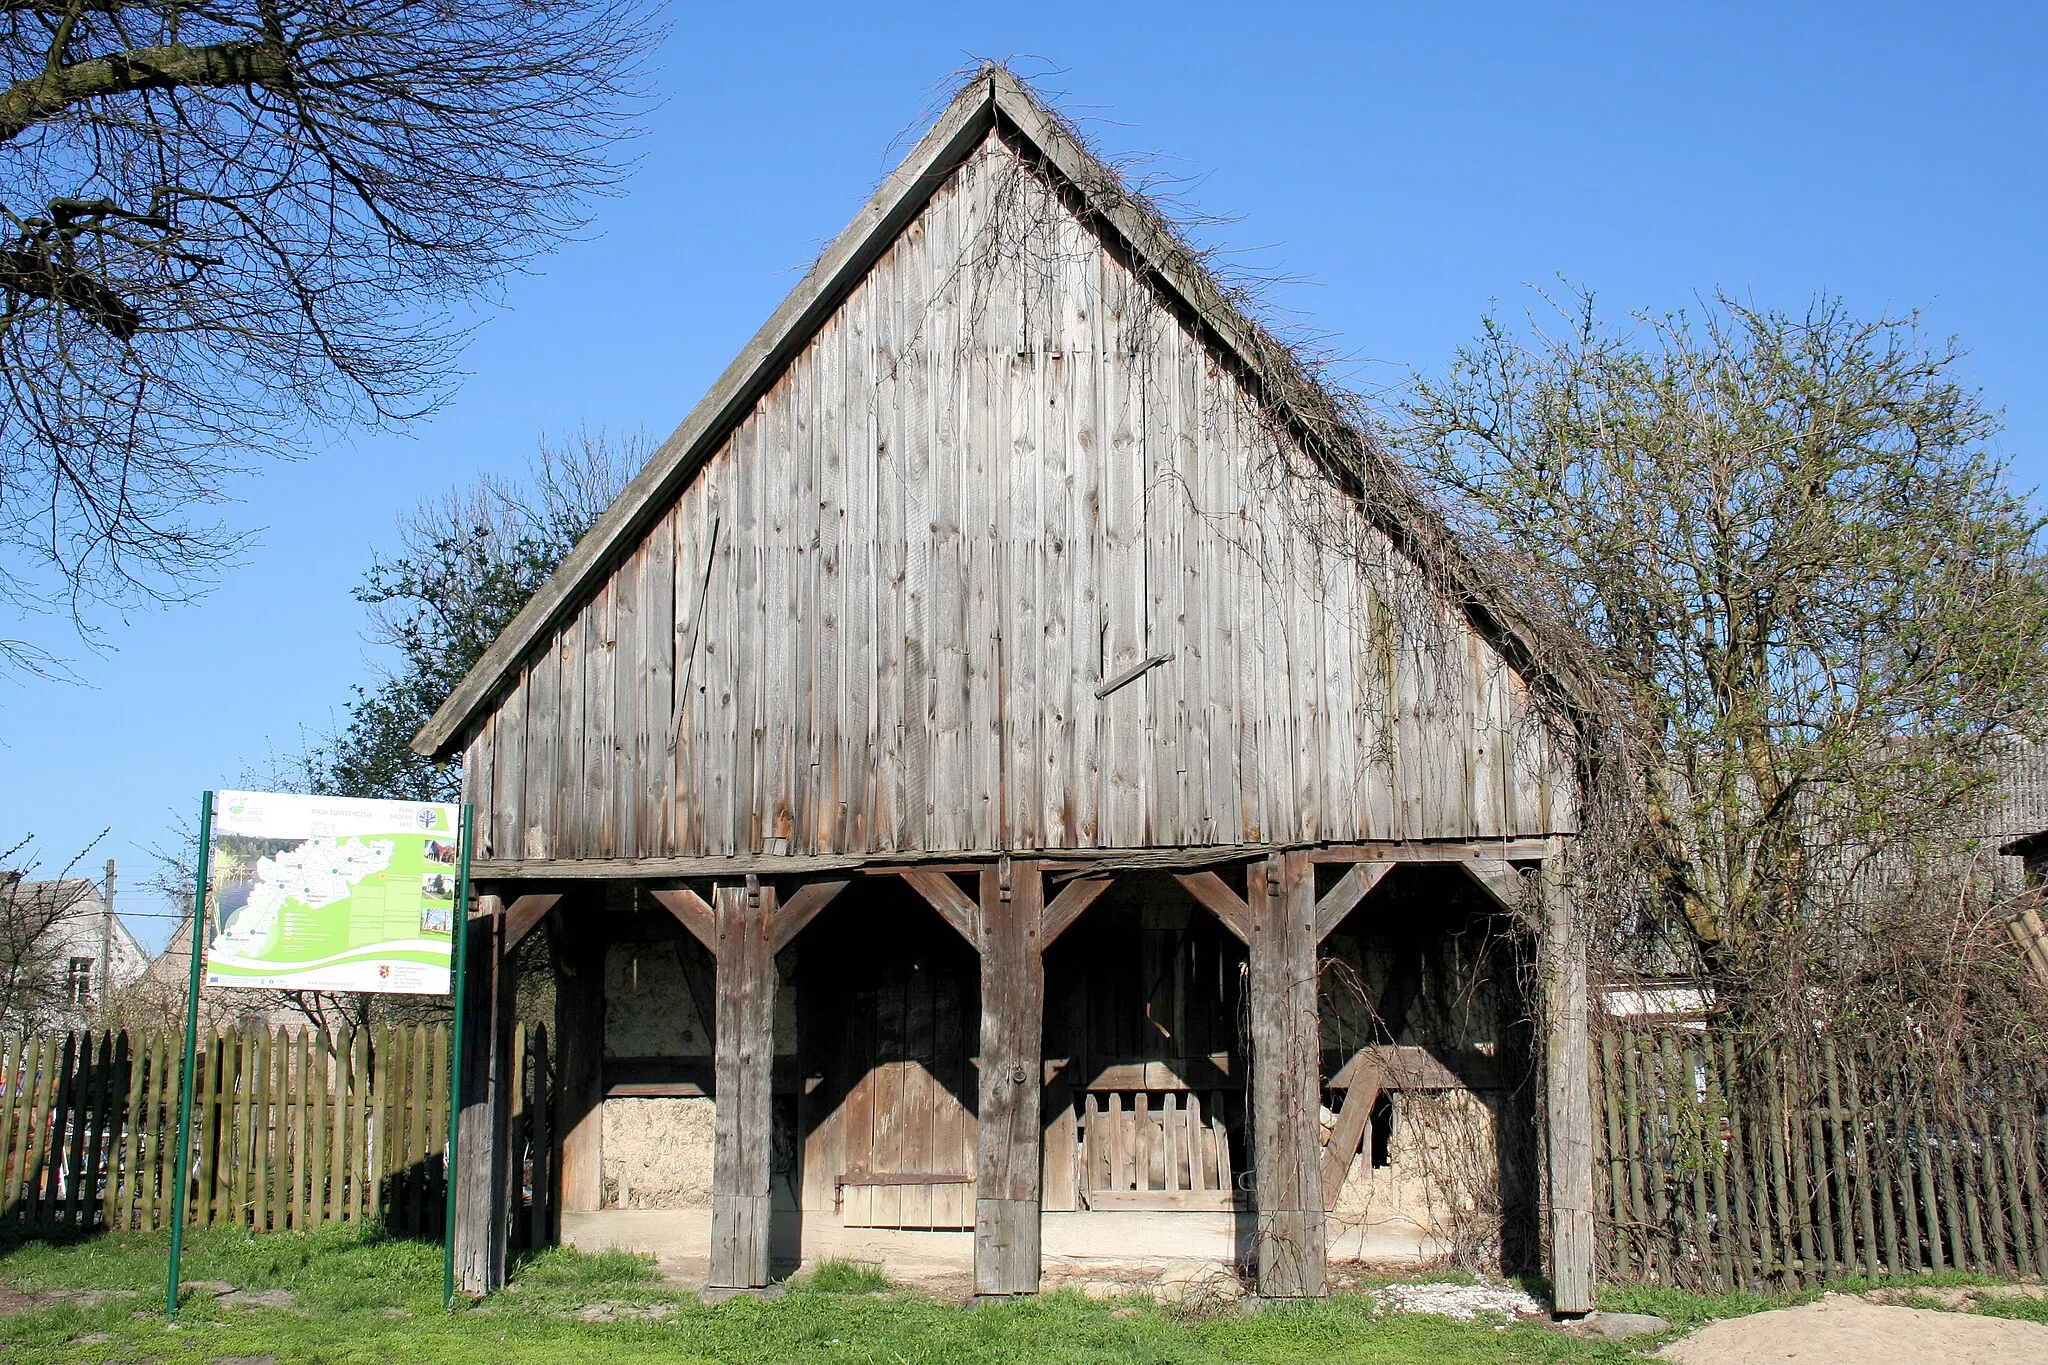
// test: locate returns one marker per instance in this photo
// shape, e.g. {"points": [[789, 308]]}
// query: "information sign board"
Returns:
{"points": [[326, 893]]}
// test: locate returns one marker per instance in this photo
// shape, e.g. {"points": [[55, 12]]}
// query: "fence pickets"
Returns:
{"points": [[1719, 1164], [290, 1129], [1726, 1165]]}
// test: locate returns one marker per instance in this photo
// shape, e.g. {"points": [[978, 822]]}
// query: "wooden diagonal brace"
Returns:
{"points": [[1349, 1132], [1062, 910], [1220, 901], [1344, 897], [692, 912], [802, 907], [950, 901], [523, 914], [1501, 881]]}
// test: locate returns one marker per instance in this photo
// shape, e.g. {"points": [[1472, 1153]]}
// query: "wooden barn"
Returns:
{"points": [[1018, 759]]}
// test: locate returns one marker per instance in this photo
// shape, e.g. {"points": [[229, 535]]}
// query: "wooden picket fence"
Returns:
{"points": [[290, 1129], [1725, 1166]]}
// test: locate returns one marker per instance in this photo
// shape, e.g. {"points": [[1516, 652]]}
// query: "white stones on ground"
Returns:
{"points": [[1465, 1302]]}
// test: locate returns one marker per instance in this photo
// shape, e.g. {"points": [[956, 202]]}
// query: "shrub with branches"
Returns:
{"points": [[1793, 541]]}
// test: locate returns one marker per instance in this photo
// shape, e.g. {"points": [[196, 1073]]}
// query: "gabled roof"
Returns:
{"points": [[995, 99]]}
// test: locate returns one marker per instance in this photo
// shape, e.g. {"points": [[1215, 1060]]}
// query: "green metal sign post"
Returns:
{"points": [[459, 988], [200, 878]]}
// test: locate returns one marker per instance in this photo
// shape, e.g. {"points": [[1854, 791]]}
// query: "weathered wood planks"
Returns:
{"points": [[744, 1042], [1005, 558], [1006, 1218], [1286, 1104], [1568, 1096]]}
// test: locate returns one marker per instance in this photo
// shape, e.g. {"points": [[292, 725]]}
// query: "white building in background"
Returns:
{"points": [[86, 946]]}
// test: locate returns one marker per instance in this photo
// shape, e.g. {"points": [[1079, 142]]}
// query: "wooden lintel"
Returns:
{"points": [[1071, 861], [1408, 1067], [1062, 910], [946, 897], [1344, 897], [692, 911], [905, 869], [802, 907], [1220, 901], [1444, 851]]}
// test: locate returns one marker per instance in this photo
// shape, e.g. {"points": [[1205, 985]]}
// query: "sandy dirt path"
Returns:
{"points": [[1848, 1331]]}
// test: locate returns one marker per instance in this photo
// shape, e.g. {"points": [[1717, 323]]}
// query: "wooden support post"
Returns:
{"points": [[579, 1089], [1568, 1095], [1006, 1206], [482, 1195], [744, 1039], [1286, 1127]]}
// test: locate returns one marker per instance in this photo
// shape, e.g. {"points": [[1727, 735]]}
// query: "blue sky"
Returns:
{"points": [[1404, 167]]}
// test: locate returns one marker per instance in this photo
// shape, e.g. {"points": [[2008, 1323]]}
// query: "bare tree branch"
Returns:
{"points": [[27, 103], [226, 227]]}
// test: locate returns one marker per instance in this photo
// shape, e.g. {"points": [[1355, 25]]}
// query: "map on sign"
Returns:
{"points": [[323, 893]]}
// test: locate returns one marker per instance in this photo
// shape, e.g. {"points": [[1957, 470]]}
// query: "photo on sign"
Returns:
{"points": [[437, 902]]}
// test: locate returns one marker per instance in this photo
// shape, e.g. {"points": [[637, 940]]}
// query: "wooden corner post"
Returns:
{"points": [[1286, 1117], [743, 1039], [1006, 1206], [1568, 1095], [482, 1194], [579, 950]]}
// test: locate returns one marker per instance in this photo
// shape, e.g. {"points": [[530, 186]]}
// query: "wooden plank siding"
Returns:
{"points": [[1002, 472]]}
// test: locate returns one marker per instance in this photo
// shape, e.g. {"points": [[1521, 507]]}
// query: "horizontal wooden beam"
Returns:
{"points": [[1216, 1071], [1062, 910], [1072, 861], [1220, 900], [1406, 1067], [692, 911], [683, 1077], [802, 907], [524, 913], [953, 904], [1440, 851], [1344, 897], [895, 868]]}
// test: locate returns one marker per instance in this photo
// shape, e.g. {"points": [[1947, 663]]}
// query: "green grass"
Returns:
{"points": [[364, 1298], [848, 1277]]}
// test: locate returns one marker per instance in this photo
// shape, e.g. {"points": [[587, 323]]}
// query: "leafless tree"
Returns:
{"points": [[227, 226]]}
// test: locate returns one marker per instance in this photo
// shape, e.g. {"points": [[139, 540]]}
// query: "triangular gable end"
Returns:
{"points": [[993, 96]]}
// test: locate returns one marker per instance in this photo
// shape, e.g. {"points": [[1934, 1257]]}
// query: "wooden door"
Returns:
{"points": [[890, 1017]]}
